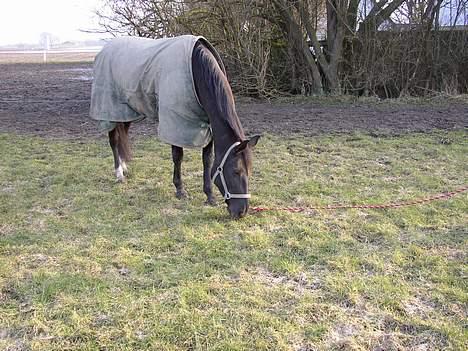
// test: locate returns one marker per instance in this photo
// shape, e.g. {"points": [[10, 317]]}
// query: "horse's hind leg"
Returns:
{"points": [[114, 142], [124, 146], [118, 140], [177, 157]]}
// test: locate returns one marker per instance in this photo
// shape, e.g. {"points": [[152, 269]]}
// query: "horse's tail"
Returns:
{"points": [[124, 143]]}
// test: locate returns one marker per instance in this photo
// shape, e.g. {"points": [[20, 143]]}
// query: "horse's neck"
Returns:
{"points": [[216, 97], [225, 124], [223, 134]]}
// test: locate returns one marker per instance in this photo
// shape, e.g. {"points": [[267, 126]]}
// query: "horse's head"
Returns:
{"points": [[231, 176]]}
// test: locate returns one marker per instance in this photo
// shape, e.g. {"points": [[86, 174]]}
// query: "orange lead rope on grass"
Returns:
{"points": [[441, 196]]}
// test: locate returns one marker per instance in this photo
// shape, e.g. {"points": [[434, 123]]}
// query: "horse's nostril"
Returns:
{"points": [[238, 214], [242, 213]]}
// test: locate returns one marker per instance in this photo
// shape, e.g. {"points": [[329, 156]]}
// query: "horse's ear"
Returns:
{"points": [[254, 140], [250, 142], [241, 146]]}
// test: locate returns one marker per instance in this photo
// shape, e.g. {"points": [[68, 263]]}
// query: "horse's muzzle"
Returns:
{"points": [[238, 212]]}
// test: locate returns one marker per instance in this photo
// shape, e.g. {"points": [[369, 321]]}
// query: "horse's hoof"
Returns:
{"points": [[119, 174], [121, 179], [124, 169], [211, 202], [181, 194]]}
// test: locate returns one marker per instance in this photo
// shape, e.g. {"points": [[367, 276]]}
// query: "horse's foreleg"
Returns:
{"points": [[207, 164], [114, 143], [177, 157]]}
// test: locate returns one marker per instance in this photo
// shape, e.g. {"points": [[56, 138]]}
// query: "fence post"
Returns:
{"points": [[46, 47]]}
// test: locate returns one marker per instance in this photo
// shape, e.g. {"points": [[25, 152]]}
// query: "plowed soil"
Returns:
{"points": [[52, 100]]}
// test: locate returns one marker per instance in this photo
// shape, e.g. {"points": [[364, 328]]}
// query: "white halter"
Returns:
{"points": [[219, 172]]}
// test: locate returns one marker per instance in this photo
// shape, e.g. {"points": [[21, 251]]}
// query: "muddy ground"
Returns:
{"points": [[53, 100]]}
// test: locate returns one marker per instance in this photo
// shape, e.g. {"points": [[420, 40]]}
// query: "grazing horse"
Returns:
{"points": [[175, 80]]}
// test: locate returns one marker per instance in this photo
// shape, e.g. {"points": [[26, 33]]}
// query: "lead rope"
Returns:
{"points": [[441, 196]]}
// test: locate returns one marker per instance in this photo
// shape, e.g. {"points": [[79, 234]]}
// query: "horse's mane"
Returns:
{"points": [[218, 88]]}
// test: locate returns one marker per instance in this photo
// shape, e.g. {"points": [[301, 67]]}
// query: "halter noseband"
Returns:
{"points": [[219, 172]]}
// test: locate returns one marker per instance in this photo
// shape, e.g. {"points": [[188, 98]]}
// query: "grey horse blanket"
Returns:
{"points": [[136, 78]]}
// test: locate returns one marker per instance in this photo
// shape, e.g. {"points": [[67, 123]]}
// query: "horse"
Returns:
{"points": [[224, 136]]}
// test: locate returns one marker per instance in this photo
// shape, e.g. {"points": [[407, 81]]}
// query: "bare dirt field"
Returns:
{"points": [[53, 100], [13, 57]]}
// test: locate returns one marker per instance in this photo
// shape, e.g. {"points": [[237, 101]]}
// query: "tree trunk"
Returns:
{"points": [[299, 46]]}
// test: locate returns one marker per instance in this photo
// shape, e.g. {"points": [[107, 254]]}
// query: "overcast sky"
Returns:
{"points": [[22, 21]]}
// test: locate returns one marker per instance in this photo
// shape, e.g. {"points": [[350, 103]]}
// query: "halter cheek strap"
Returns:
{"points": [[219, 172]]}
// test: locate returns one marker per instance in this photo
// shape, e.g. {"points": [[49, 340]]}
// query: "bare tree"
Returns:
{"points": [[144, 18], [313, 46]]}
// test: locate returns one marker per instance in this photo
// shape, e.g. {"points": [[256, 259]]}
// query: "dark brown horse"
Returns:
{"points": [[232, 150]]}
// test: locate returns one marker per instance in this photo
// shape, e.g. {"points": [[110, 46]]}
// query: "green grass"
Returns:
{"points": [[89, 264]]}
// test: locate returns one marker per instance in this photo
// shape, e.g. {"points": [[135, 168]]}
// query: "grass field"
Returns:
{"points": [[89, 264]]}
